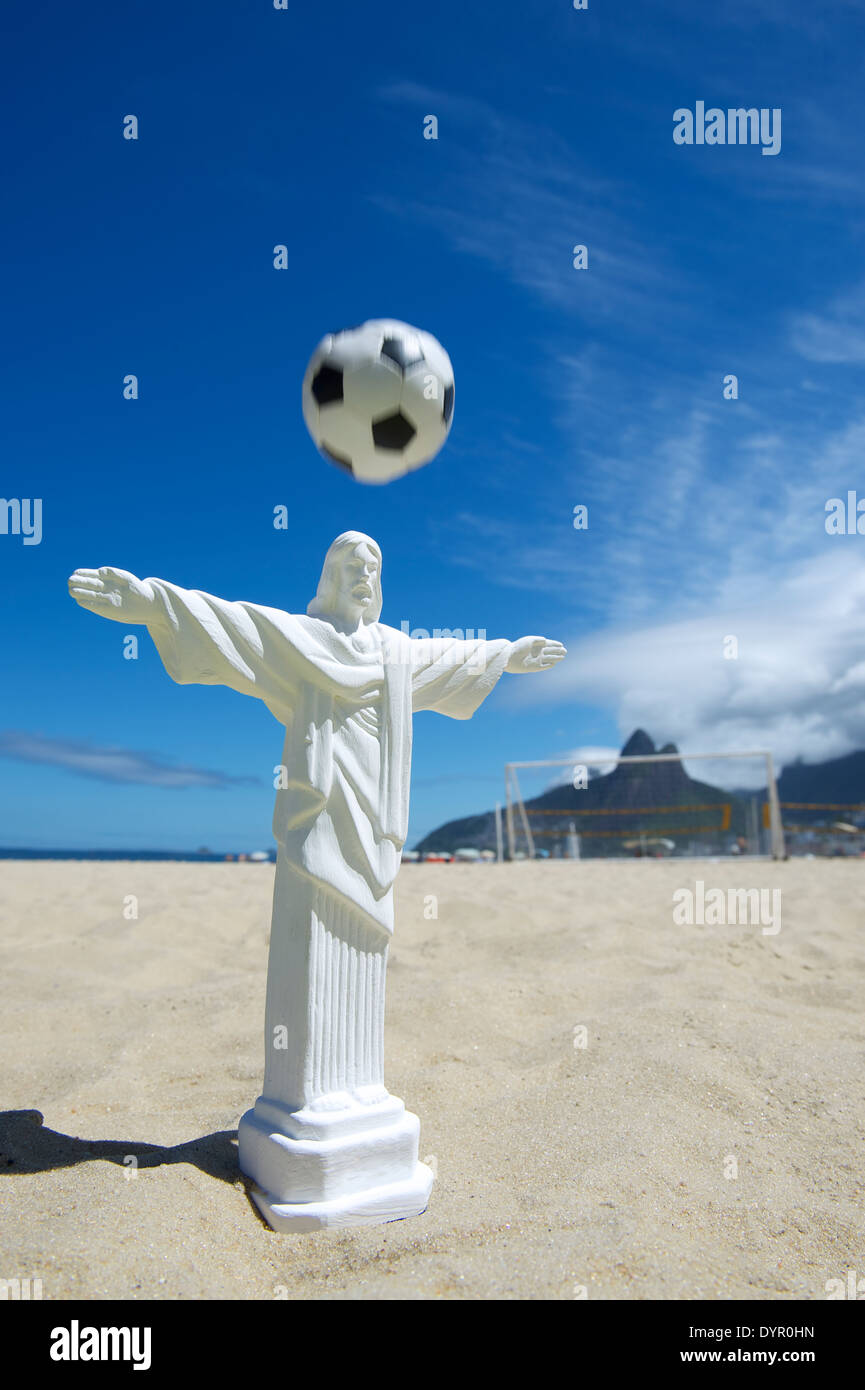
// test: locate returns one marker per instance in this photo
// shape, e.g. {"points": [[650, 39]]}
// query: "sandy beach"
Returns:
{"points": [[705, 1143]]}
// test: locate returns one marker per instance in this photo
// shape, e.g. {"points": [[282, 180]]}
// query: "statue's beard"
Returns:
{"points": [[351, 611]]}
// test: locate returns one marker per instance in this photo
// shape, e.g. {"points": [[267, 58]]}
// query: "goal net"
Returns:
{"points": [[656, 805]]}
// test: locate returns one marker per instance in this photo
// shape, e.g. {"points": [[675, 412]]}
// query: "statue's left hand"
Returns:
{"points": [[113, 594], [530, 654]]}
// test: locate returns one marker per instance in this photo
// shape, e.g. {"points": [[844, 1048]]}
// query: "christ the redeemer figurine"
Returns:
{"points": [[326, 1144]]}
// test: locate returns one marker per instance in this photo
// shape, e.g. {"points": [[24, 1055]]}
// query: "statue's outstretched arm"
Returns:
{"points": [[114, 594], [201, 639], [529, 654]]}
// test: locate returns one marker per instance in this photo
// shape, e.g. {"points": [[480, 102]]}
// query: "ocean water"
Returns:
{"points": [[182, 856]]}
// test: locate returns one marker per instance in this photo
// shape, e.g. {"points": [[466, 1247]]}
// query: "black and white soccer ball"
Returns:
{"points": [[378, 400]]}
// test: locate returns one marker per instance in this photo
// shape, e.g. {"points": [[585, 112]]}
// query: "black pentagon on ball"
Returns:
{"points": [[327, 385], [393, 432], [336, 458], [448, 404], [399, 352]]}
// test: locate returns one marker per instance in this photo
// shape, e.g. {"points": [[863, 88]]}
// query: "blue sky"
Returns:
{"points": [[601, 387]]}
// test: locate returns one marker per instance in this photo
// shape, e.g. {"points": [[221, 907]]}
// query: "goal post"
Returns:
{"points": [[517, 817]]}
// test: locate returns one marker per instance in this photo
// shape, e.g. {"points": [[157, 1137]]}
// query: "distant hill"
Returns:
{"points": [[838, 779], [630, 787], [628, 790]]}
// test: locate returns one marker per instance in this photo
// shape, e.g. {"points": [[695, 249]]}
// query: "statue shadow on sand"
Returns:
{"points": [[28, 1146]]}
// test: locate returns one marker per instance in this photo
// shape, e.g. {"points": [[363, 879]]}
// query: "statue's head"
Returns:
{"points": [[350, 583]]}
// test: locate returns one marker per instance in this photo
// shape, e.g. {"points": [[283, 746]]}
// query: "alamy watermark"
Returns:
{"points": [[853, 1287], [739, 126], [21, 517], [20, 1290], [77, 1343], [422, 647], [713, 907], [845, 519]]}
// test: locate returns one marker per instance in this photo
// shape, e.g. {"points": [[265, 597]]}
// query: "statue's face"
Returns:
{"points": [[357, 575]]}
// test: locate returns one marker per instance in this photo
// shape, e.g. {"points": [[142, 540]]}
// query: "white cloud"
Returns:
{"points": [[520, 197], [797, 687], [111, 764], [706, 517], [836, 336]]}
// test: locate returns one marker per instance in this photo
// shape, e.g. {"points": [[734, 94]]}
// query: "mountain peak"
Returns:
{"points": [[639, 745], [670, 748]]}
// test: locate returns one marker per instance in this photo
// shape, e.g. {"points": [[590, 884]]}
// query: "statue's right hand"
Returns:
{"points": [[114, 593]]}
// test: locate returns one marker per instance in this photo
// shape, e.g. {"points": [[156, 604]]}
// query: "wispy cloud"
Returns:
{"points": [[689, 505], [837, 335], [706, 515], [797, 685], [815, 21], [519, 197], [109, 764]]}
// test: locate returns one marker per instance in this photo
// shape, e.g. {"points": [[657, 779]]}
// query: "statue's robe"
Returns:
{"points": [[341, 813]]}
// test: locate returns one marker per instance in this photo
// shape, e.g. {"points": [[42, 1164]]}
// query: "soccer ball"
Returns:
{"points": [[378, 400]]}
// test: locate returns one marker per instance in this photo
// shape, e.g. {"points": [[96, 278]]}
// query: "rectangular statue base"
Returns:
{"points": [[339, 1163], [393, 1202]]}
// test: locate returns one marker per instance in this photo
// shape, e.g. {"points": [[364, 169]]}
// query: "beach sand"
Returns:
{"points": [[562, 1171]]}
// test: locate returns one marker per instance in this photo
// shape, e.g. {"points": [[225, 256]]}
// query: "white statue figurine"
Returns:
{"points": [[325, 1143]]}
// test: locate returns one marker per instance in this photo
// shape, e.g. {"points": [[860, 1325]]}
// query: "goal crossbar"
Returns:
{"points": [[513, 794]]}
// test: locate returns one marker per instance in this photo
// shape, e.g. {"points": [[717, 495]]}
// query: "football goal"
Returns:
{"points": [[655, 805]]}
